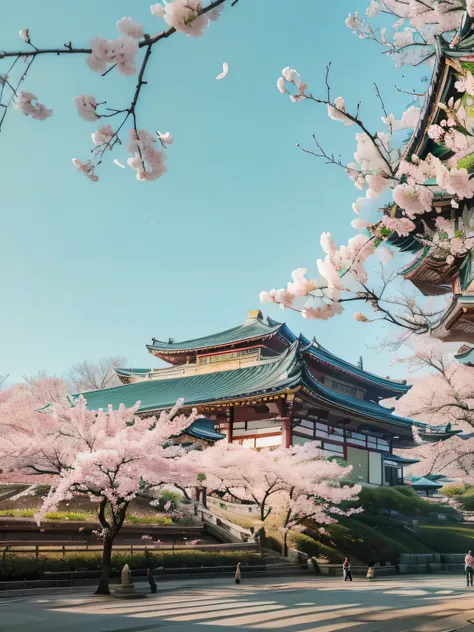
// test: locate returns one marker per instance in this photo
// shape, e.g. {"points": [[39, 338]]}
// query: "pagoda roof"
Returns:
{"points": [[457, 324], [286, 373], [255, 327], [389, 388], [402, 460], [203, 428], [439, 89], [259, 327], [426, 483]]}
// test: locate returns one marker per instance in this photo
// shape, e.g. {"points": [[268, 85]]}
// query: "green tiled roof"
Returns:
{"points": [[425, 483], [253, 328], [268, 376], [203, 428], [465, 356], [276, 375]]}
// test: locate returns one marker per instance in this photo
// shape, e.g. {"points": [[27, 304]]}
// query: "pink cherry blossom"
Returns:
{"points": [[401, 225], [377, 182], [87, 169], [103, 135], [165, 139], [409, 119], [149, 163], [24, 103], [86, 106], [436, 132], [359, 316], [360, 224], [413, 199], [130, 28], [281, 85], [268, 297], [465, 83], [337, 111], [184, 16], [120, 52], [109, 456], [301, 286]]}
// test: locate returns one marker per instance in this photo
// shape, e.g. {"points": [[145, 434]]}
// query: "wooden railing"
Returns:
{"points": [[20, 548]]}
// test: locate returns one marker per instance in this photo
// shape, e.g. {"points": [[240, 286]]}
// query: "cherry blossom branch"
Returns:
{"points": [[70, 50]]}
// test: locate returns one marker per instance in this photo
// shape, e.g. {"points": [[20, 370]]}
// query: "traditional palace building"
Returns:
{"points": [[261, 386]]}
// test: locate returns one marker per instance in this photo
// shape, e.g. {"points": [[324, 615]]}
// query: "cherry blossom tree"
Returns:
{"points": [[110, 456], [444, 395], [127, 53], [382, 169], [297, 485]]}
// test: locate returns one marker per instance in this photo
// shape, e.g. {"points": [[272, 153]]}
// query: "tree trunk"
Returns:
{"points": [[103, 587], [285, 544]]}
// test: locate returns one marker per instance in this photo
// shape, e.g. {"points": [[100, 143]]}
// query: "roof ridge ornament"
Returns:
{"points": [[255, 314]]}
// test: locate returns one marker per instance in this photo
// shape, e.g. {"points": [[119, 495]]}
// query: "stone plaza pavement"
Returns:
{"points": [[410, 604]]}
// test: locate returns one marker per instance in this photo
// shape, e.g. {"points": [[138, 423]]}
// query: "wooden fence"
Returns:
{"points": [[20, 548]]}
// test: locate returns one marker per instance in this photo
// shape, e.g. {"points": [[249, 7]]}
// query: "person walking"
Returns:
{"points": [[237, 574], [469, 567], [346, 569]]}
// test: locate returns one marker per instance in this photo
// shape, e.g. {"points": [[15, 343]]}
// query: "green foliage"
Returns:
{"points": [[315, 548], [83, 517], [403, 499], [467, 500], [51, 515], [454, 489], [27, 567], [466, 163], [42, 490], [163, 520]]}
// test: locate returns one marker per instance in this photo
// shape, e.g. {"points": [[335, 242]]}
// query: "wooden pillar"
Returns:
{"points": [[286, 424], [226, 426], [285, 434]]}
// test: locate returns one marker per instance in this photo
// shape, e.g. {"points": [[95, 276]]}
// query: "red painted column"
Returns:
{"points": [[285, 434]]}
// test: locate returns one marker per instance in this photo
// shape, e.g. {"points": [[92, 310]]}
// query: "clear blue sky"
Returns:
{"points": [[90, 270]]}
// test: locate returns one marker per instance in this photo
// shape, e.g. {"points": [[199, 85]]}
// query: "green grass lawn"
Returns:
{"points": [[448, 538]]}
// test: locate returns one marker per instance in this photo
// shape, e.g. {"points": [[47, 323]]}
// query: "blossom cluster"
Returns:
{"points": [[23, 102], [186, 16], [410, 35], [338, 269], [148, 162], [119, 52]]}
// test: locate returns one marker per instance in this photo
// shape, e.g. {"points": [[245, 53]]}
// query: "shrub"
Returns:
{"points": [[27, 567], [402, 499], [467, 500], [315, 548], [42, 490], [454, 489], [163, 520]]}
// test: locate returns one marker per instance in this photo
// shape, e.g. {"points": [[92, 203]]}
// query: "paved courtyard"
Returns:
{"points": [[292, 605]]}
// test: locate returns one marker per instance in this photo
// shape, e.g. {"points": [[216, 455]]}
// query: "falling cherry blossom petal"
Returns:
{"points": [[118, 163], [225, 70]]}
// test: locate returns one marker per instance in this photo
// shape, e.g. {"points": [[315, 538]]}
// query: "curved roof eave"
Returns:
{"points": [[394, 389], [367, 409]]}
